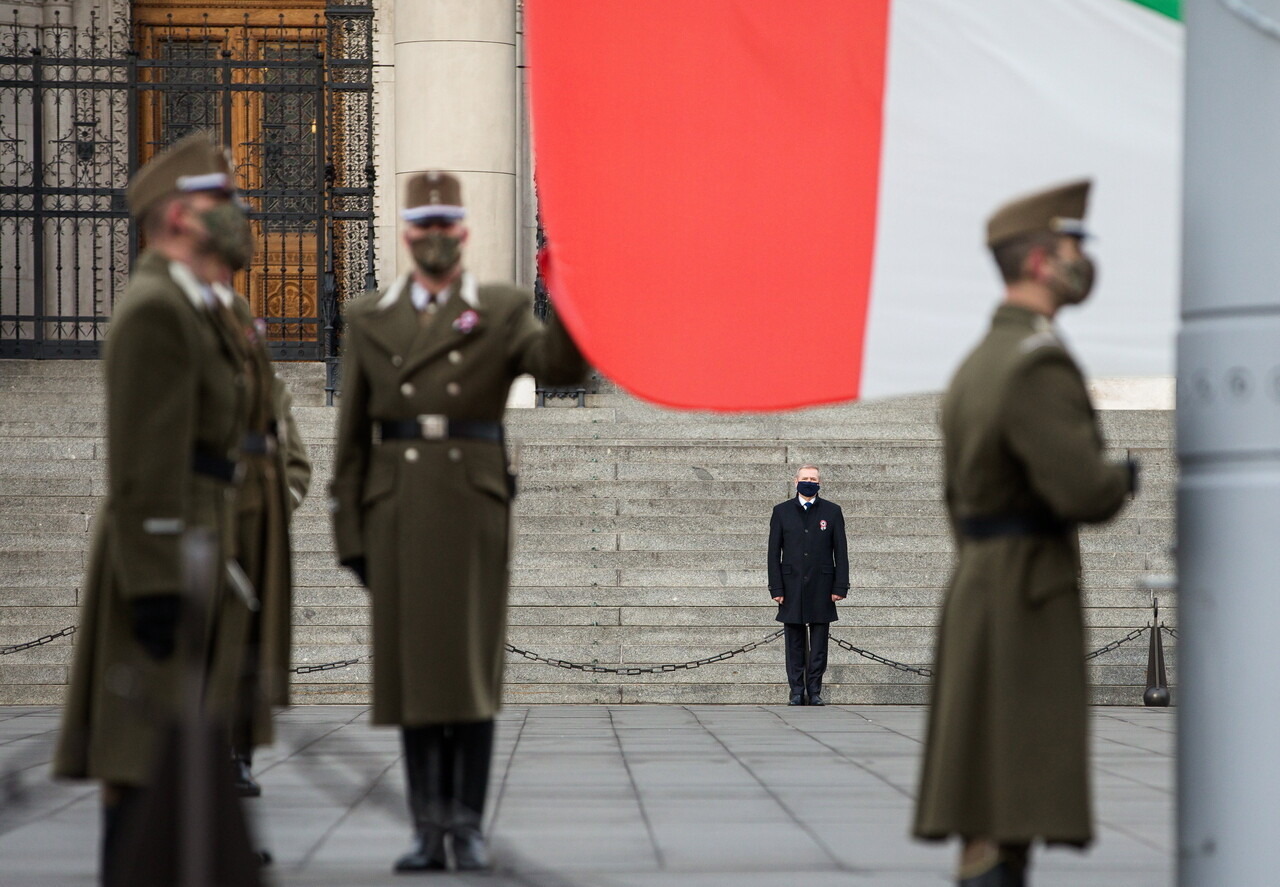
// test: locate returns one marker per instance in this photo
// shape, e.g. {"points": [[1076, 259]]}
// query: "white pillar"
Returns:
{"points": [[1229, 449], [456, 110]]}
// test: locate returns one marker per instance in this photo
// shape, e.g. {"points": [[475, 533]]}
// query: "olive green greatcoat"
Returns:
{"points": [[1006, 754], [432, 518], [174, 383], [271, 487]]}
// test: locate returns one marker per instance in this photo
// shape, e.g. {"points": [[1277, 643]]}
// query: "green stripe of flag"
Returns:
{"points": [[1171, 8]]}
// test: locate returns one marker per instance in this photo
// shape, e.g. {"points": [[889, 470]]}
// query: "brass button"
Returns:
{"points": [[455, 454], [407, 389], [396, 360], [455, 356], [453, 389], [411, 454]]}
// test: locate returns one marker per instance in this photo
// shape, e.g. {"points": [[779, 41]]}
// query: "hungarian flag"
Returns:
{"points": [[756, 205]]}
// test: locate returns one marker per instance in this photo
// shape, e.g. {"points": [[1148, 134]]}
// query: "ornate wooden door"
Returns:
{"points": [[253, 75]]}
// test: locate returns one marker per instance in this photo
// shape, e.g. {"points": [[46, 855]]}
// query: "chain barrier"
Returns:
{"points": [[330, 666], [874, 657], [38, 642], [643, 669], [1131, 636], [593, 668]]}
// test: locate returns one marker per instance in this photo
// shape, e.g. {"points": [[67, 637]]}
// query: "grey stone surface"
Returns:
{"points": [[615, 795], [639, 537]]}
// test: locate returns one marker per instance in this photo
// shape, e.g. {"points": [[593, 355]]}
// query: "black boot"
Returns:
{"points": [[424, 772], [113, 816], [1003, 874], [472, 754], [246, 785]]}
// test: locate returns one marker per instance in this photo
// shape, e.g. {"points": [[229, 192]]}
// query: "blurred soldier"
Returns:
{"points": [[1006, 756], [276, 476], [808, 573], [176, 412], [421, 506]]}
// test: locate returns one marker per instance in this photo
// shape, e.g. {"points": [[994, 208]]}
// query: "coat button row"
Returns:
{"points": [[455, 357]]}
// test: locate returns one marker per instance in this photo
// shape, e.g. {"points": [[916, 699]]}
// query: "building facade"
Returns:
{"points": [[327, 104]]}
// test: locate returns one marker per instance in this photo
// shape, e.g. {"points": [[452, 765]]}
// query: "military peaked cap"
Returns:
{"points": [[1059, 210], [194, 163], [433, 195]]}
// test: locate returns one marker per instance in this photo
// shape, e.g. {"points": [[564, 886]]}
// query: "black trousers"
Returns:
{"points": [[806, 656]]}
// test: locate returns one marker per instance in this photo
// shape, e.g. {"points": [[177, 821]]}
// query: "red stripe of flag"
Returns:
{"points": [[707, 174]]}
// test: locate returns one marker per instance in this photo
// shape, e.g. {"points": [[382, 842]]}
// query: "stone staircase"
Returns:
{"points": [[640, 540]]}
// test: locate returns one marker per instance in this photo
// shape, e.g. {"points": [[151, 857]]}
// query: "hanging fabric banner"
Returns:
{"points": [[756, 206]]}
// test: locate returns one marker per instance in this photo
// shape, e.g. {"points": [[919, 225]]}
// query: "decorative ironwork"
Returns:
{"points": [[81, 107], [544, 311]]}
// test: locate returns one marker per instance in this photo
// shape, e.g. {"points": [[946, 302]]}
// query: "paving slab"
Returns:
{"points": [[619, 796]]}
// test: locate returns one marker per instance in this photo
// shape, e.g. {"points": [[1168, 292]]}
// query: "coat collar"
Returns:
{"points": [[1017, 316], [467, 289], [394, 322], [198, 294]]}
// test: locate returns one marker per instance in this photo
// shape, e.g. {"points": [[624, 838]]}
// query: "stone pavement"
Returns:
{"points": [[621, 796]]}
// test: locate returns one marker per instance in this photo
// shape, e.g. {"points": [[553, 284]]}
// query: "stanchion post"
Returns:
{"points": [[1157, 692]]}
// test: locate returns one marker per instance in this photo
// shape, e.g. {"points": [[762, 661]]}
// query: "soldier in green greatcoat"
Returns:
{"points": [[176, 411], [275, 477], [421, 503], [1006, 757]]}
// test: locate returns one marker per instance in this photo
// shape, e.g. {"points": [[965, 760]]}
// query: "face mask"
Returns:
{"points": [[1074, 280], [807, 488], [436, 253], [230, 237]]}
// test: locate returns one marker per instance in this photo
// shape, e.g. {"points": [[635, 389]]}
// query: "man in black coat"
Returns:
{"points": [[808, 573]]}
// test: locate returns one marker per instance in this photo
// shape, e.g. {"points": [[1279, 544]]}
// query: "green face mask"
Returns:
{"points": [[230, 237], [436, 253], [1074, 280]]}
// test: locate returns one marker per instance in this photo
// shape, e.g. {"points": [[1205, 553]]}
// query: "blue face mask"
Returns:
{"points": [[807, 488]]}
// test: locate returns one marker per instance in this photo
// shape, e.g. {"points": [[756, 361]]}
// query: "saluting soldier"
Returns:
{"points": [[1006, 756], [422, 506], [275, 480], [176, 411]]}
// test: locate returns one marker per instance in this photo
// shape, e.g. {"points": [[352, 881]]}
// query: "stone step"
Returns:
{"points": [[1128, 596], [760, 615], [321, 543], [639, 538]]}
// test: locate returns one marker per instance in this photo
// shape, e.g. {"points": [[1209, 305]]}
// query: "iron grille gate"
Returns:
{"points": [[81, 106]]}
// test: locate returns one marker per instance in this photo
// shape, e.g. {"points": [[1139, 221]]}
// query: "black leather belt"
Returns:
{"points": [[438, 427], [258, 444], [214, 466], [995, 525]]}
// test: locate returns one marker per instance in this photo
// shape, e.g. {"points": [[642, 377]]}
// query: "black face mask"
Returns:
{"points": [[807, 488]]}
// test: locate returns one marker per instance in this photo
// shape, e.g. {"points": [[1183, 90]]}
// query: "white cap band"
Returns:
{"points": [[1073, 227], [433, 211], [212, 181]]}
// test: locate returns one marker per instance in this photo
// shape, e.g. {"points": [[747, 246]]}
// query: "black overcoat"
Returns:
{"points": [[808, 560]]}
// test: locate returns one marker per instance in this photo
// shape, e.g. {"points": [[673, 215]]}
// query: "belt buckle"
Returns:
{"points": [[433, 426]]}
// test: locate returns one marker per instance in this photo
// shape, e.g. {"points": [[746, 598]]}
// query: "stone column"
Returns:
{"points": [[456, 110]]}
